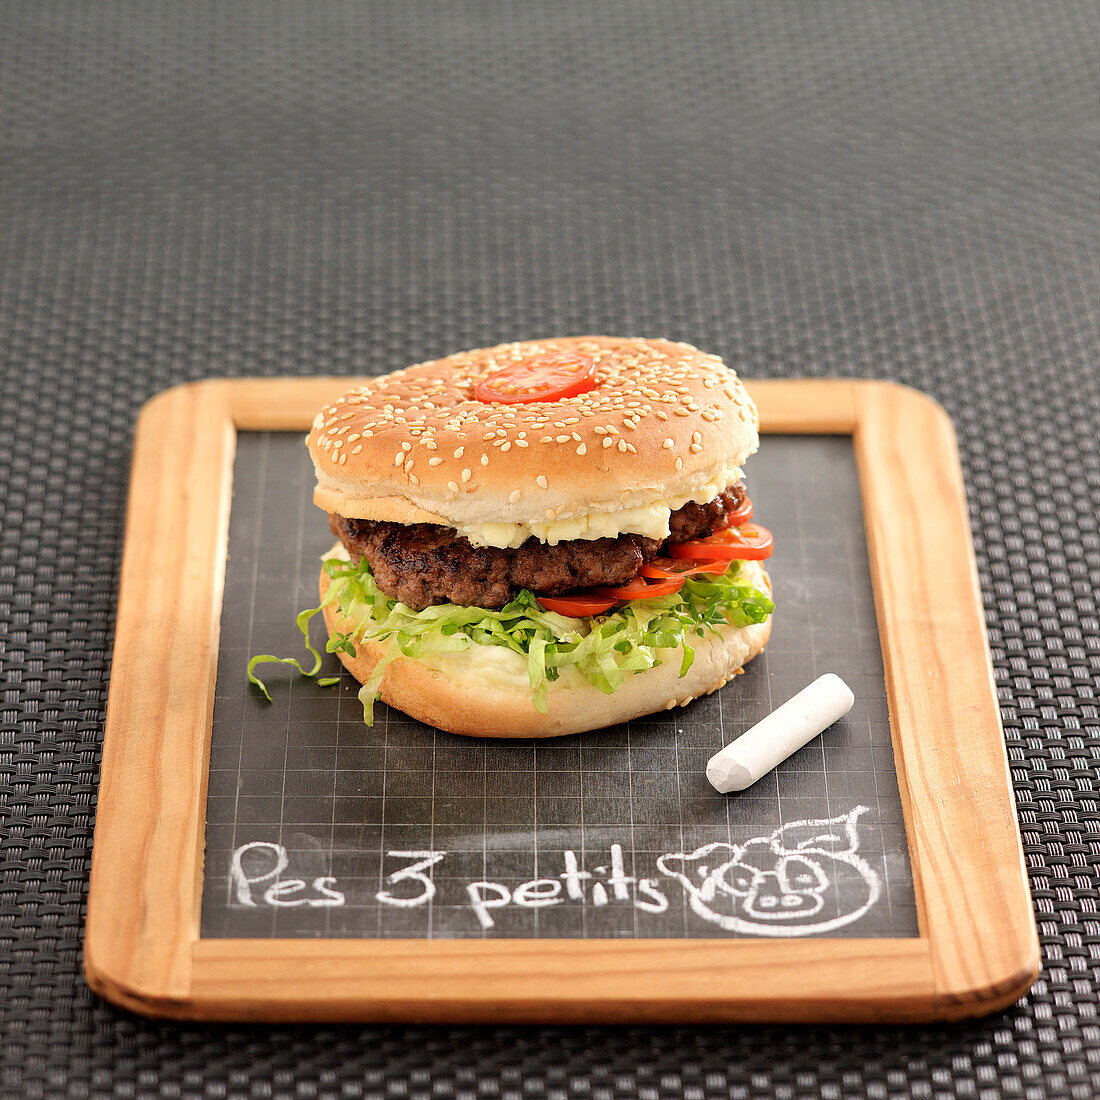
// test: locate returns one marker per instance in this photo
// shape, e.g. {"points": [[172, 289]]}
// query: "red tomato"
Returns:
{"points": [[741, 514], [579, 606], [546, 377], [666, 568], [749, 543], [640, 589]]}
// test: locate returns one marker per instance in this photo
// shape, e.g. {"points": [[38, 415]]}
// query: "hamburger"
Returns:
{"points": [[543, 537]]}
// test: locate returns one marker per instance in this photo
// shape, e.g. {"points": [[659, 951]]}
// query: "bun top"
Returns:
{"points": [[663, 423]]}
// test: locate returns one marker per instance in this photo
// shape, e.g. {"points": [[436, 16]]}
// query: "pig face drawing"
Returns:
{"points": [[804, 878]]}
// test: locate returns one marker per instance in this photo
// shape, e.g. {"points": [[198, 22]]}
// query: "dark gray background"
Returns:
{"points": [[304, 773], [898, 190]]}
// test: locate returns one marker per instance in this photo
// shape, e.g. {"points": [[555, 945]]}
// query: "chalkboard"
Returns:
{"points": [[319, 826], [399, 873]]}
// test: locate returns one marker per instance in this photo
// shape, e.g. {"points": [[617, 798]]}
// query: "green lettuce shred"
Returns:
{"points": [[603, 649]]}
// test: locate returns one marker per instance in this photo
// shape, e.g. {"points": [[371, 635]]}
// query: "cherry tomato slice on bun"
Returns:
{"points": [[547, 377], [741, 514], [747, 543], [640, 589], [667, 568], [577, 607]]}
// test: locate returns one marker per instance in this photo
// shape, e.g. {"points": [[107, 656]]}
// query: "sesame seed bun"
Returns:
{"points": [[458, 696], [663, 422]]}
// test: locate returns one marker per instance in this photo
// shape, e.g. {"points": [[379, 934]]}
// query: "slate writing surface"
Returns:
{"points": [[319, 826]]}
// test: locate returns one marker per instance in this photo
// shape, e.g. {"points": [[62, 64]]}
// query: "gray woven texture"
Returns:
{"points": [[905, 191]]}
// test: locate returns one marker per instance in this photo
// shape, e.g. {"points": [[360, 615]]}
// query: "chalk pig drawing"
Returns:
{"points": [[805, 877]]}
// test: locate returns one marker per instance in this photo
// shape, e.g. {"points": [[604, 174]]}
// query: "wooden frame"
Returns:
{"points": [[977, 951]]}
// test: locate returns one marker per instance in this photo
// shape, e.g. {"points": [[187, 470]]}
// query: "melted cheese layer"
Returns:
{"points": [[650, 520]]}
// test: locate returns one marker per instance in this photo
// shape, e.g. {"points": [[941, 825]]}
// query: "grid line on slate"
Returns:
{"points": [[507, 812]]}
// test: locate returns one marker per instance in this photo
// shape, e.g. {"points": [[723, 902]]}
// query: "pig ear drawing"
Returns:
{"points": [[833, 835], [699, 865]]}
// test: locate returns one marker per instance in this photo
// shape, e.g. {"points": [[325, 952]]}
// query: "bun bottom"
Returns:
{"points": [[464, 699]]}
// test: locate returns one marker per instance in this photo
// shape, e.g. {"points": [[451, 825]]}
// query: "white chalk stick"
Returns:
{"points": [[767, 744]]}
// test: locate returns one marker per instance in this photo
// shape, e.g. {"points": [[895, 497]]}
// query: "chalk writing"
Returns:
{"points": [[283, 893], [804, 878], [415, 873]]}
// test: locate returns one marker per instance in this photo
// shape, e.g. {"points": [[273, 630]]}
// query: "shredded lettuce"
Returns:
{"points": [[603, 649]]}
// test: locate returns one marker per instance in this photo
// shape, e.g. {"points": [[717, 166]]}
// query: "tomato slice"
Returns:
{"points": [[640, 589], [547, 377], [635, 589], [579, 606], [741, 514], [746, 543], [666, 568]]}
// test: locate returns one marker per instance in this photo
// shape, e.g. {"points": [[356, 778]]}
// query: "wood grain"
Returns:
{"points": [[960, 819], [821, 405], [978, 950], [147, 860], [564, 981]]}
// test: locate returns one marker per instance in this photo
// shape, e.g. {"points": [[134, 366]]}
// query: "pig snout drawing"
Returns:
{"points": [[806, 877]]}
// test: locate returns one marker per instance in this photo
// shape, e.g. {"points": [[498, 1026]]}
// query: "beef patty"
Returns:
{"points": [[422, 564]]}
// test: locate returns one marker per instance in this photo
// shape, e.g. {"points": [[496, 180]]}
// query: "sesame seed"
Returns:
{"points": [[581, 449], [484, 460], [514, 496], [436, 461], [452, 486], [355, 450], [679, 463], [662, 415], [467, 474], [541, 481], [522, 443], [668, 444], [681, 412], [608, 441], [399, 458], [695, 448], [458, 453], [562, 439], [414, 479], [506, 446]]}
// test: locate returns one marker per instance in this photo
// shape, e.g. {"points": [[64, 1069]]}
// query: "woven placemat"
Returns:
{"points": [[888, 190]]}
